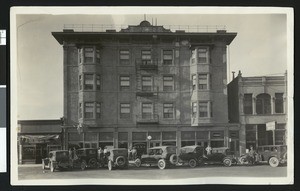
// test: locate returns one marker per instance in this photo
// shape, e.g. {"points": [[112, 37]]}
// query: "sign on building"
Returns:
{"points": [[270, 126]]}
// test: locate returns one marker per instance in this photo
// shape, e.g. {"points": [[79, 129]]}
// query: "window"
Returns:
{"points": [[146, 57], [98, 110], [124, 83], [80, 55], [194, 109], [168, 110], [194, 79], [203, 112], [80, 82], [248, 103], [167, 57], [92, 110], [147, 110], [278, 102], [263, 104], [98, 82], [89, 110], [203, 55], [168, 83], [202, 82], [147, 83], [124, 57], [88, 54], [88, 81], [124, 110], [98, 56], [80, 110]]}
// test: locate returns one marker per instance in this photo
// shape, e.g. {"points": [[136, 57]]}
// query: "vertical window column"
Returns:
{"points": [[254, 105]]}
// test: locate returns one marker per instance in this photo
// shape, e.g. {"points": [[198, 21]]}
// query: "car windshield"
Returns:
{"points": [[120, 152], [187, 150], [171, 150], [80, 152], [155, 151], [62, 154]]}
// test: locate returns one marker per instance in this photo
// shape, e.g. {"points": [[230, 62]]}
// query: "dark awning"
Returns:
{"points": [[39, 138]]}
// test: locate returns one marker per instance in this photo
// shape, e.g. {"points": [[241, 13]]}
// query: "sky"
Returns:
{"points": [[260, 48]]}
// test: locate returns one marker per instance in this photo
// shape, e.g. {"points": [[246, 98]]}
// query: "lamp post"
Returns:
{"points": [[149, 139]]}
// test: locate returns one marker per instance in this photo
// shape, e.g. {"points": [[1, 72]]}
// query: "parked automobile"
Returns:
{"points": [[87, 157], [162, 156], [117, 158], [57, 160], [193, 155], [275, 155], [221, 155]]}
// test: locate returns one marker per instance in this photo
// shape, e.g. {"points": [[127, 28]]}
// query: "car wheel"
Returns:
{"points": [[43, 164], [273, 161], [227, 162], [120, 160], [173, 159], [137, 162], [109, 165], [161, 164], [192, 163], [243, 160], [93, 163], [200, 161], [52, 167], [83, 165]]}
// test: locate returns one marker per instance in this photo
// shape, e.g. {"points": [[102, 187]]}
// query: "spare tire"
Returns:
{"points": [[173, 159], [120, 160]]}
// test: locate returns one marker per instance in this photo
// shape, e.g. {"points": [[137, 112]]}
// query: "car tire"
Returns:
{"points": [[173, 159], [138, 162], [93, 163], [227, 162], [109, 165], [243, 160], [273, 162], [52, 168], [121, 161], [192, 163], [43, 164], [161, 164], [83, 165], [200, 161]]}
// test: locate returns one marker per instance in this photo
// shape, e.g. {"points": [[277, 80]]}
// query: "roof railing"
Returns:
{"points": [[117, 28]]}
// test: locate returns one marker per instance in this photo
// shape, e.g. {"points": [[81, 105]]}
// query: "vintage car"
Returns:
{"points": [[275, 155], [117, 158], [221, 155], [193, 155], [162, 156], [57, 160], [87, 157]]}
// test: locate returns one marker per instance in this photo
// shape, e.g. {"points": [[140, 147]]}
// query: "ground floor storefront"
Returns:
{"points": [[143, 138], [33, 148], [258, 135]]}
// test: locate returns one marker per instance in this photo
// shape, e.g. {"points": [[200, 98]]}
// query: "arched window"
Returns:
{"points": [[263, 104]]}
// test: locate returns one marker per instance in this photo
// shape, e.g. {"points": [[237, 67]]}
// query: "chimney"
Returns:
{"points": [[240, 73], [233, 75]]}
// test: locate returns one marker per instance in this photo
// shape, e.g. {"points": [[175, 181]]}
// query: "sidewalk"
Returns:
{"points": [[29, 165]]}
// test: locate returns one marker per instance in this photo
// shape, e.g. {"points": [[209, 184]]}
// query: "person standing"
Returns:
{"points": [[208, 149], [252, 154]]}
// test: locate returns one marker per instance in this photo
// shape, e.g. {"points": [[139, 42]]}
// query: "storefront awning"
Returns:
{"points": [[39, 138]]}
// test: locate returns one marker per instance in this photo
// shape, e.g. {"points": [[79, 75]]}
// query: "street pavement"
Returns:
{"points": [[34, 172]]}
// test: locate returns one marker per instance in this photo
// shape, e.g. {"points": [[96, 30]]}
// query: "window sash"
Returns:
{"points": [[248, 103], [278, 102], [88, 110], [88, 81], [168, 83], [168, 110], [202, 81], [98, 110], [202, 55], [203, 109], [98, 82], [146, 55], [88, 54]]}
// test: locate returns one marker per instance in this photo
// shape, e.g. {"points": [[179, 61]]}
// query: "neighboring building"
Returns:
{"points": [[146, 86], [258, 102], [36, 138]]}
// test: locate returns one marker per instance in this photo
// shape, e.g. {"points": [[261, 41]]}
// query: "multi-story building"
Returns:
{"points": [[259, 104], [146, 86]]}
